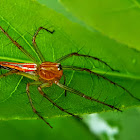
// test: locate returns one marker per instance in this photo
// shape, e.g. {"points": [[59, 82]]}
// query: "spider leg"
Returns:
{"points": [[101, 76], [82, 55], [59, 107], [31, 103], [65, 83], [8, 73], [84, 96], [19, 46], [35, 45]]}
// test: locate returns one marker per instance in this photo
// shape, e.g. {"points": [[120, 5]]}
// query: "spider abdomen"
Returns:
{"points": [[50, 71]]}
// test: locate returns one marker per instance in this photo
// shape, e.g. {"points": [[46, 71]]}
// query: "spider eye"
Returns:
{"points": [[59, 67]]}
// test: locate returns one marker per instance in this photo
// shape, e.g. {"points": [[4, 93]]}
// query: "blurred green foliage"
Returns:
{"points": [[64, 128], [128, 123]]}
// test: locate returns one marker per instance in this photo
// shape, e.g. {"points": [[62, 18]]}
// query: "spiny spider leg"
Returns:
{"points": [[98, 75], [33, 108], [35, 45], [84, 96], [59, 107], [19, 46], [82, 55]]}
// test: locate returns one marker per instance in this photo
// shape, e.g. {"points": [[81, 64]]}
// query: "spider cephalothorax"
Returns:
{"points": [[50, 71]]}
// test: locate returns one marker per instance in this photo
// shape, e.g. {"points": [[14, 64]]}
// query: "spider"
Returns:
{"points": [[48, 73]]}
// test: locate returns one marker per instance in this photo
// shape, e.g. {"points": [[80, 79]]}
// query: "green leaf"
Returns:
{"points": [[117, 19], [22, 18]]}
